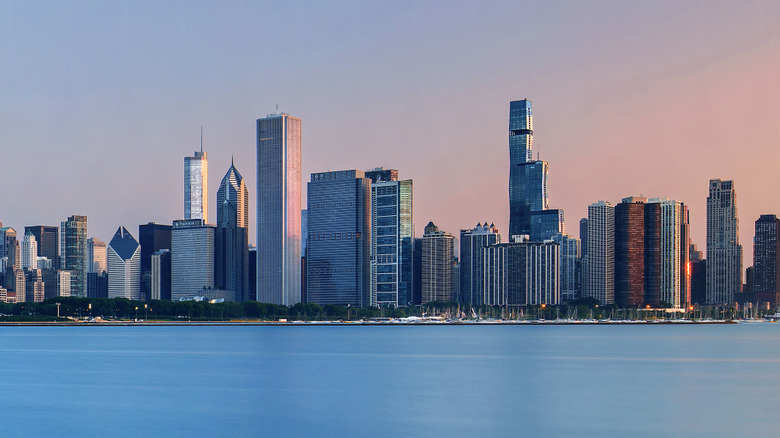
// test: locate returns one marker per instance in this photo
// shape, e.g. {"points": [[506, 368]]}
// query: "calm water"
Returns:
{"points": [[391, 381]]}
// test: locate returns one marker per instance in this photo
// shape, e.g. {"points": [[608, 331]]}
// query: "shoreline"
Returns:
{"points": [[369, 323]]}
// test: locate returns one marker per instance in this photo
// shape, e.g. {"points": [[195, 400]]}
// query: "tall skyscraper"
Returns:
{"points": [[338, 253], [192, 258], [674, 250], [472, 244], [601, 252], [124, 266], [391, 238], [438, 250], [724, 253], [232, 239], [97, 257], [527, 178], [637, 253], [152, 237], [29, 251], [48, 239], [196, 186], [279, 209], [73, 253], [766, 263]]}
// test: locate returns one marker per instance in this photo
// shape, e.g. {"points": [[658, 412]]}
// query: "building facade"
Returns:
{"points": [[438, 251], [600, 258], [124, 266], [392, 231], [766, 264], [152, 237], [522, 273], [73, 253], [232, 236], [472, 244], [279, 209], [161, 275], [97, 257], [48, 239], [196, 186], [568, 265], [724, 253], [29, 251], [338, 252], [192, 258], [546, 223]]}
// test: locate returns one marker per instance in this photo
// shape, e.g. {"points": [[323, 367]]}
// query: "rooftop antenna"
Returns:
{"points": [[201, 139], [231, 160], [277, 107]]}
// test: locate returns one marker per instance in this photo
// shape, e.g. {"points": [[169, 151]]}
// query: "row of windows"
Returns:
{"points": [[334, 236], [330, 270], [332, 204]]}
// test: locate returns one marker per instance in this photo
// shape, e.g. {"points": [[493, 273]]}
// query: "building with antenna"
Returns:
{"points": [[232, 235]]}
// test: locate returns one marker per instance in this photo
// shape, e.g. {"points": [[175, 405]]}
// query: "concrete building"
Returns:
{"points": [[522, 273], [438, 251], [724, 253], [600, 259]]}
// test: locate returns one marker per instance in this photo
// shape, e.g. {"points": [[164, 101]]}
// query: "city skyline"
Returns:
{"points": [[594, 96]]}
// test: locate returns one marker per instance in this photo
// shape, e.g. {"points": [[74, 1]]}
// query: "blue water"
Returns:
{"points": [[548, 381]]}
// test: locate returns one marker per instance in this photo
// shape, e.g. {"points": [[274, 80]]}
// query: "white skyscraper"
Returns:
{"points": [[196, 186], [124, 266], [600, 258], [29, 252], [279, 209]]}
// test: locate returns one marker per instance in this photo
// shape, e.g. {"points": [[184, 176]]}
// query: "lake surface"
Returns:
{"points": [[548, 381]]}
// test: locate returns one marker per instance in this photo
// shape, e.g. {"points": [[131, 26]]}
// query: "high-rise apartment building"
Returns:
{"points": [[438, 250], [152, 237], [674, 251], [34, 287], [522, 273], [73, 253], [97, 257], [63, 284], [8, 246], [472, 244], [232, 238], [724, 253], [124, 266], [569, 265], [192, 258], [279, 209], [766, 263], [196, 186], [391, 238], [48, 239], [600, 259], [338, 253]]}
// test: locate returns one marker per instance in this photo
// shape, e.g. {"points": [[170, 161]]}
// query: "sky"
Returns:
{"points": [[101, 101]]}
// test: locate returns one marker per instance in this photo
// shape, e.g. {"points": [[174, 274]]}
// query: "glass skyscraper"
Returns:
{"points": [[338, 253], [73, 253], [546, 223], [279, 209], [391, 238], [527, 178], [196, 186], [232, 240]]}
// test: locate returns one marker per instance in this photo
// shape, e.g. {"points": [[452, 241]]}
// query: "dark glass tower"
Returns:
{"points": [[766, 275], [153, 237], [48, 239], [527, 178], [232, 239]]}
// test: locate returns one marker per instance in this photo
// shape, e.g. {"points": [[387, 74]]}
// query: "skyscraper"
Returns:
{"points": [[527, 178], [124, 266], [97, 257], [601, 252], [766, 263], [196, 186], [48, 239], [161, 275], [152, 237], [192, 258], [73, 253], [29, 251], [472, 244], [232, 238], [569, 265], [338, 253], [438, 250], [522, 273], [279, 209], [391, 238], [724, 253], [546, 223]]}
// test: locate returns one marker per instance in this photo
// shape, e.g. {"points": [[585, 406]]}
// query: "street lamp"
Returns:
{"points": [[146, 312], [136, 313]]}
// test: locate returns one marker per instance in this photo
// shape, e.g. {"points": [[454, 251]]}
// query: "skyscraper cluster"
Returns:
{"points": [[355, 245]]}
